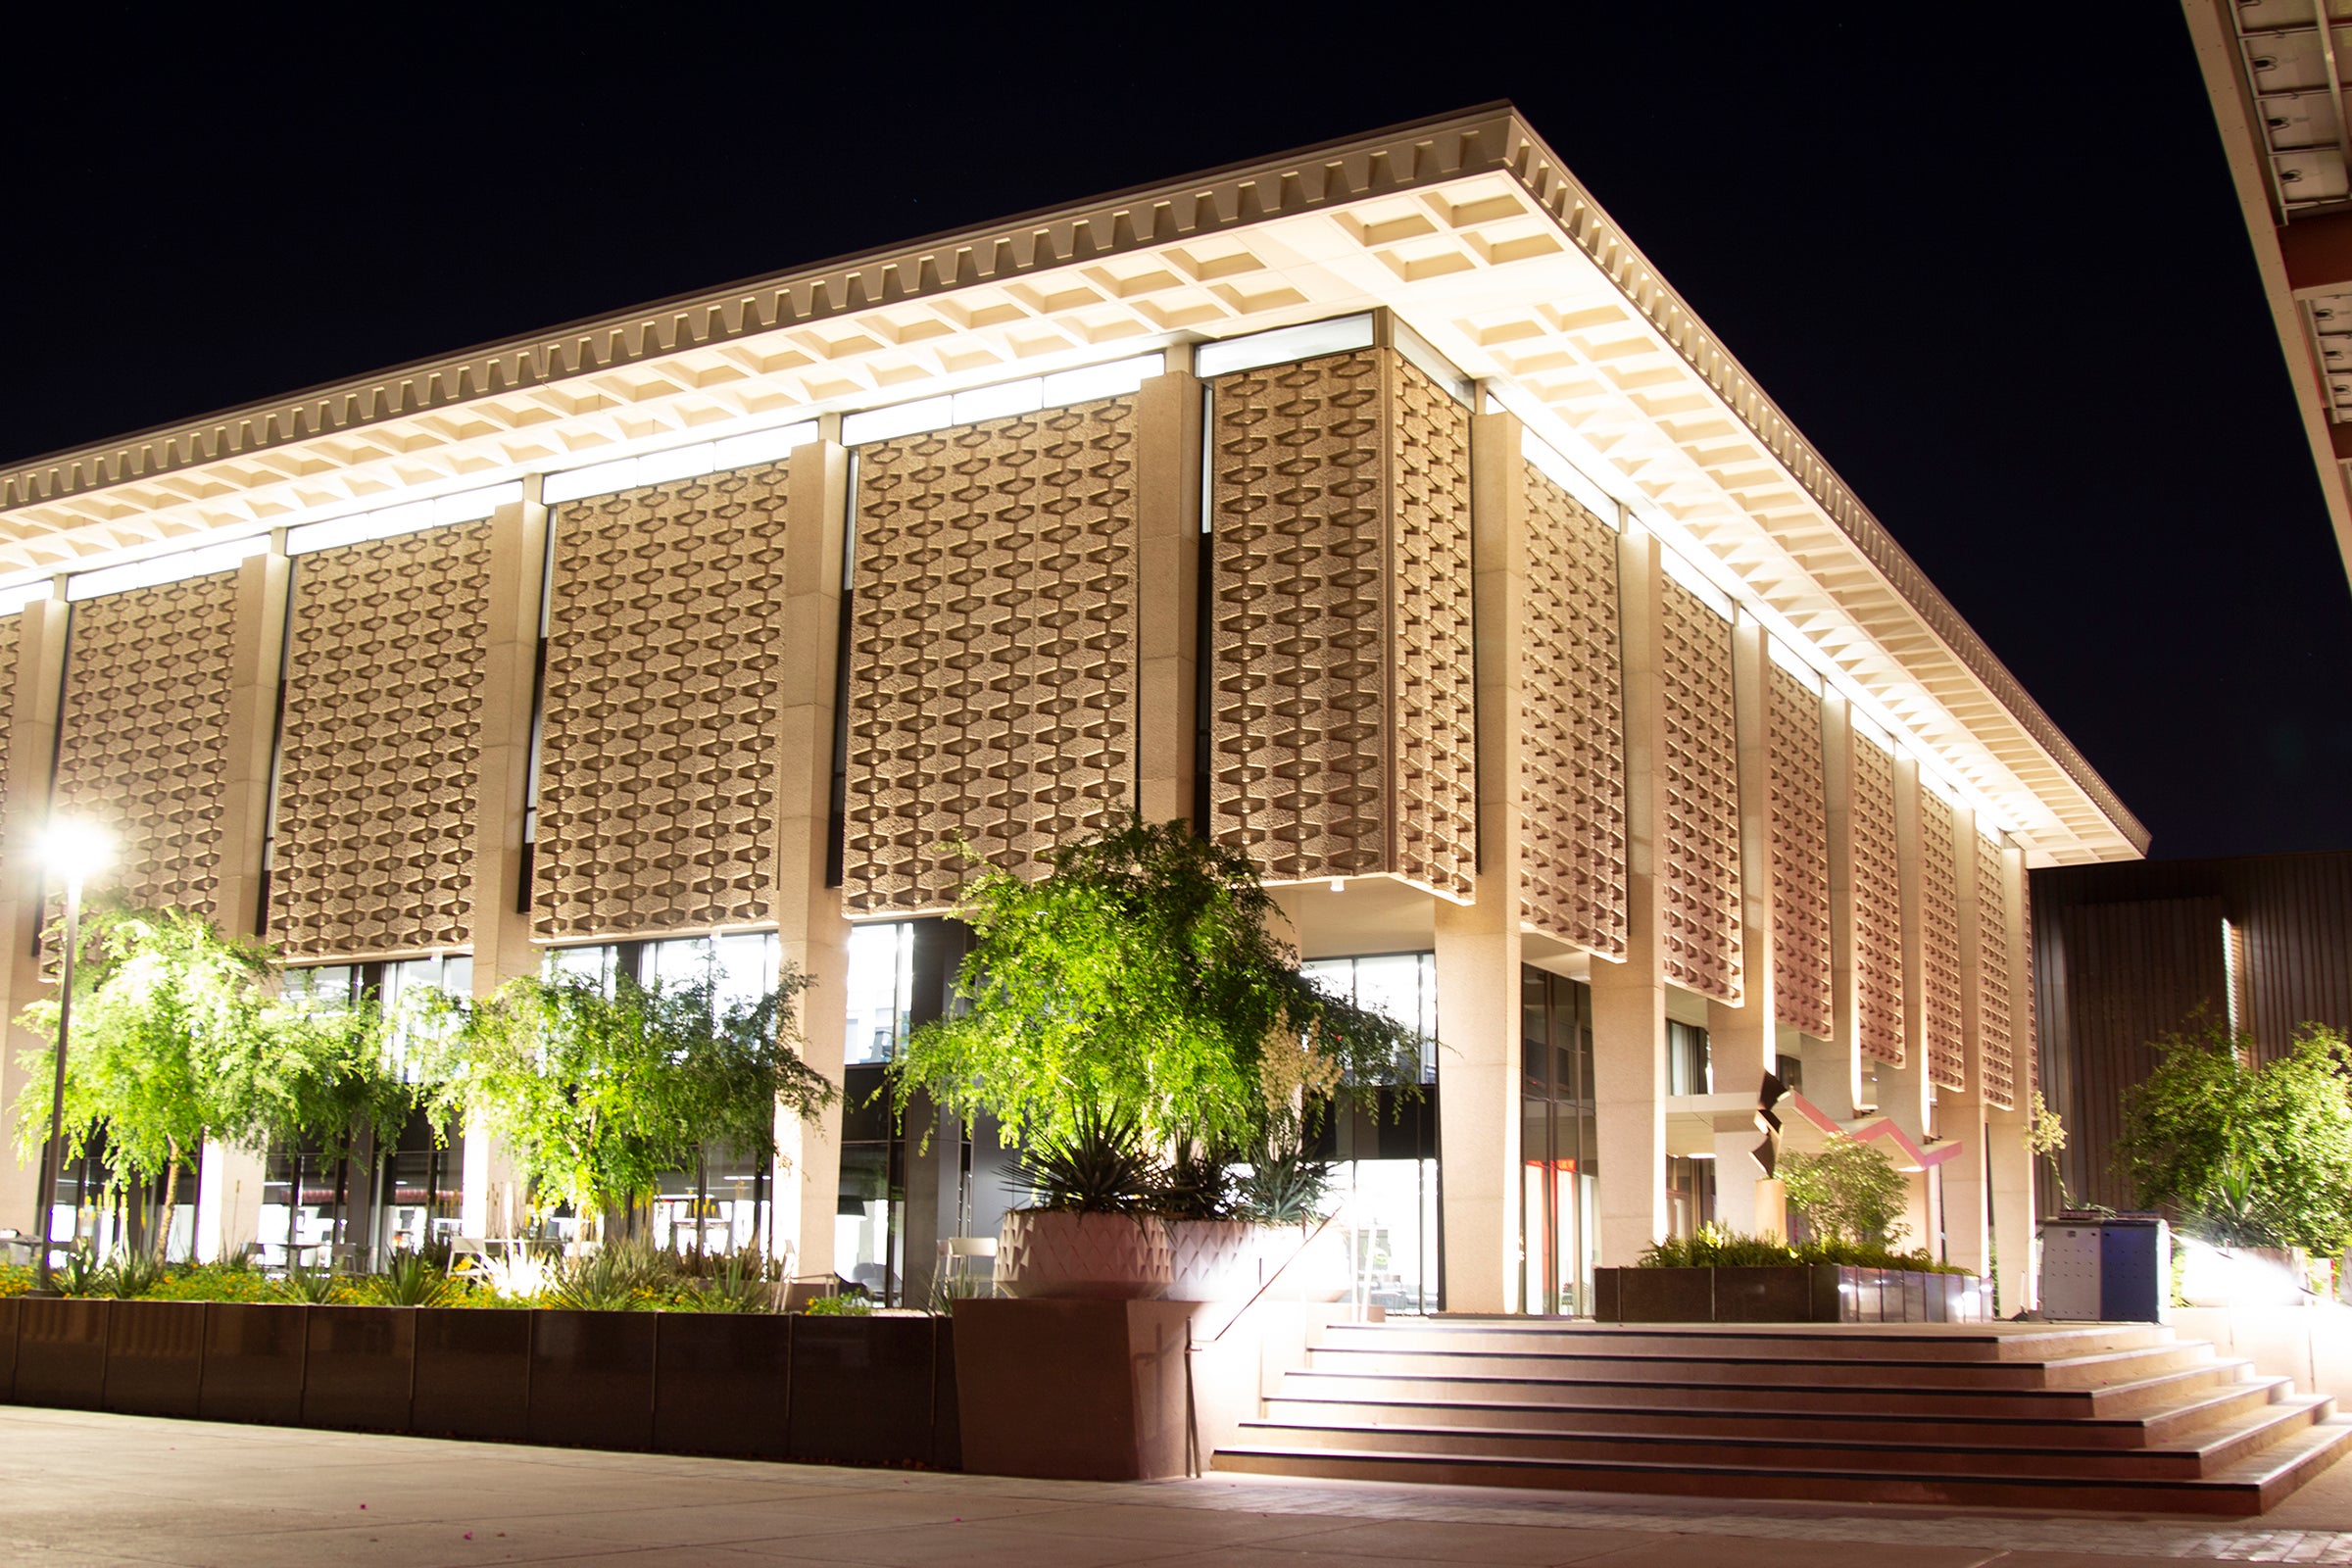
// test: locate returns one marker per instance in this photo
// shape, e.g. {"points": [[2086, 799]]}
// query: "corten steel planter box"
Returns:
{"points": [[61, 1352], [592, 1378], [1797, 1293], [1074, 1390], [473, 1373], [840, 1390], [154, 1357], [253, 1362], [724, 1385], [361, 1368], [866, 1389]]}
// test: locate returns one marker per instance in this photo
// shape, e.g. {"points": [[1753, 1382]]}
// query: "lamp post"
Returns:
{"points": [[74, 851]]}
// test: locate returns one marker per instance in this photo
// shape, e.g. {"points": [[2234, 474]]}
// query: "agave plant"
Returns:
{"points": [[313, 1287], [84, 1274], [1198, 1185], [1101, 1167], [130, 1274], [408, 1280], [737, 1284], [1283, 1187], [521, 1276]]}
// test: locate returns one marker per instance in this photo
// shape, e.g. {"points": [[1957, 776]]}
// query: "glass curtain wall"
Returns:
{"points": [[725, 1205], [86, 1210], [366, 1200], [869, 1216], [1382, 1145], [1559, 1214]]}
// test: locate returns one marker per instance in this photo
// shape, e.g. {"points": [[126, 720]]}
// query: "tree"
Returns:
{"points": [[2252, 1156], [180, 1040], [599, 1094], [1849, 1191], [1138, 979]]}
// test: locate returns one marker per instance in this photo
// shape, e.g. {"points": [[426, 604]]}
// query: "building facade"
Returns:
{"points": [[1376, 507], [2126, 954]]}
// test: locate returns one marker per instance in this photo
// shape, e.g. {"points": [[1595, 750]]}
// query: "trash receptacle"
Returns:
{"points": [[2108, 1268]]}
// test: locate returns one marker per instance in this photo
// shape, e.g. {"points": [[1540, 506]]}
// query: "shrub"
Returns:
{"points": [[1849, 1191], [408, 1280], [1712, 1247], [2243, 1154], [850, 1304], [1282, 1186]]}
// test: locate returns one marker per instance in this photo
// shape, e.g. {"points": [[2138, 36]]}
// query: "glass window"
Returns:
{"points": [[880, 991], [597, 963], [1689, 1068], [1402, 986]]}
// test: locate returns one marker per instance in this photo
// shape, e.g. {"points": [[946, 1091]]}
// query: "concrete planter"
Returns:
{"points": [[1213, 1260], [1046, 1255], [1796, 1292]]}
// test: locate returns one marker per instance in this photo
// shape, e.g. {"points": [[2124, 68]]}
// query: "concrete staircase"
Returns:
{"points": [[2115, 1416]]}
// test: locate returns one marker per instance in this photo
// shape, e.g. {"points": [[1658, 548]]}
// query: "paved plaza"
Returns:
{"points": [[79, 1489]]}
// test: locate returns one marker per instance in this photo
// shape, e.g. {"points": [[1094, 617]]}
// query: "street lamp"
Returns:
{"points": [[73, 850]]}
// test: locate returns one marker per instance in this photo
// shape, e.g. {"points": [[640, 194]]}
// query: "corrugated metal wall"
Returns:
{"points": [[2129, 952]]}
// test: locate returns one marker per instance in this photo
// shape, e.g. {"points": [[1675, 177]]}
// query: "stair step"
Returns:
{"points": [[2225, 1445], [2116, 1416], [2102, 1367], [1719, 1391], [1912, 1341], [2153, 1429]]}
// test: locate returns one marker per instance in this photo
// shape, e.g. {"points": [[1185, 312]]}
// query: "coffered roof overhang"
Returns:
{"points": [[1468, 226]]}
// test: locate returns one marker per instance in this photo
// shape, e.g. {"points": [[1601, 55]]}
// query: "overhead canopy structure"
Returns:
{"points": [[1467, 226]]}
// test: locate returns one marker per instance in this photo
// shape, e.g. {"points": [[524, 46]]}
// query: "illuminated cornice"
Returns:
{"points": [[1468, 226]]}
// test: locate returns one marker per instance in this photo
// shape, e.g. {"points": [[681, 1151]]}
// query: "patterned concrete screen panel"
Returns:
{"points": [[381, 744], [146, 731], [1800, 854], [1572, 867], [1878, 904], [1939, 942], [1341, 731], [992, 651], [659, 753], [1700, 932], [1997, 1053]]}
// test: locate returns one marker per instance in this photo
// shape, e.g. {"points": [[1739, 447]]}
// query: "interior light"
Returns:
{"points": [[1338, 884]]}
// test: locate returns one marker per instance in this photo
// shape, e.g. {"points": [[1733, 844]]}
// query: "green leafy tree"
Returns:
{"points": [[601, 1093], [2248, 1154], [1139, 979], [179, 1039], [1850, 1192]]}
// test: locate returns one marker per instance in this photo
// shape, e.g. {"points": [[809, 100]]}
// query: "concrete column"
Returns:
{"points": [[39, 632], [2012, 1178], [1961, 1114], [1629, 999], [249, 757], [1742, 1041], [1478, 947], [229, 1202], [1167, 481], [814, 937], [491, 1201], [1904, 1092], [1834, 1068], [501, 922]]}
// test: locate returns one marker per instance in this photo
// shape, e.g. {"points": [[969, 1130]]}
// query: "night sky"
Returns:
{"points": [[1993, 268]]}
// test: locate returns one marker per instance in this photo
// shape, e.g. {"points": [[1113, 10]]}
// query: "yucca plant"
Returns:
{"points": [[408, 1280], [1100, 1166]]}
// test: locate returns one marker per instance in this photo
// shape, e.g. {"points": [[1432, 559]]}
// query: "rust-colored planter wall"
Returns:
{"points": [[837, 1390], [1797, 1293]]}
